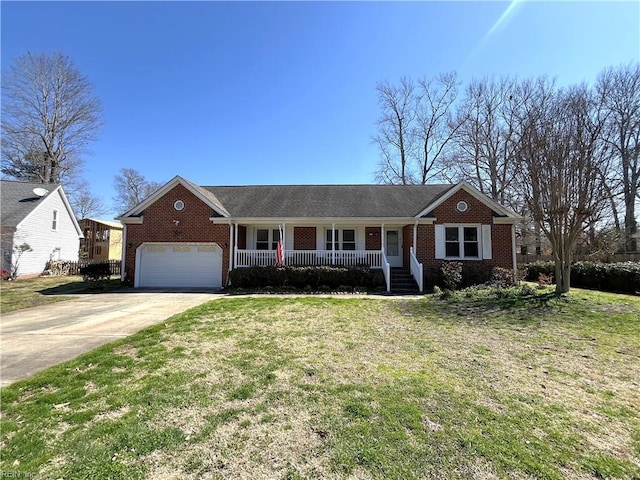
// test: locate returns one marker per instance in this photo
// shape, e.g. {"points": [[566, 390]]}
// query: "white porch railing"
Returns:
{"points": [[386, 269], [264, 258], [416, 269]]}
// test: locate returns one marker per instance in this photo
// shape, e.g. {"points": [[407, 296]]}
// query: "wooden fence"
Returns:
{"points": [[73, 268]]}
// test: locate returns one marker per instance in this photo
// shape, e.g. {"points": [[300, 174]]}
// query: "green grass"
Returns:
{"points": [[477, 385], [33, 292]]}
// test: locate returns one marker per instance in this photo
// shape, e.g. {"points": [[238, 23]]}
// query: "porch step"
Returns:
{"points": [[402, 282]]}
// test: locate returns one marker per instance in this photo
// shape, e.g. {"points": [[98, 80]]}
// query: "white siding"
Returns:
{"points": [[36, 231]]}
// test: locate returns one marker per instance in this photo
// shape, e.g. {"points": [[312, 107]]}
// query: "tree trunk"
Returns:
{"points": [[630, 227], [563, 276]]}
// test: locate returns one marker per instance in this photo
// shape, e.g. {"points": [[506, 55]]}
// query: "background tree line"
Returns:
{"points": [[560, 156]]}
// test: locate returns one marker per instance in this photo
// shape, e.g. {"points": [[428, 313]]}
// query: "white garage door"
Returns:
{"points": [[179, 265]]}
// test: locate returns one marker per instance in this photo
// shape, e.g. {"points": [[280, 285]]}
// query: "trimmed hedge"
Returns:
{"points": [[314, 278], [471, 275], [95, 272], [608, 277]]}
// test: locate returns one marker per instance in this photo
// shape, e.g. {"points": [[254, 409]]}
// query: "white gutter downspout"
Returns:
{"points": [[124, 253]]}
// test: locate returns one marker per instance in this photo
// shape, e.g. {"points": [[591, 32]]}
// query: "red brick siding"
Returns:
{"points": [[407, 243], [242, 237], [426, 245], [158, 226], [304, 238], [372, 238], [478, 212], [501, 250]]}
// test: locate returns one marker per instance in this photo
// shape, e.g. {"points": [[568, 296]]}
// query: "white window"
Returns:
{"points": [[348, 236], [463, 242], [348, 239], [267, 239], [54, 220]]}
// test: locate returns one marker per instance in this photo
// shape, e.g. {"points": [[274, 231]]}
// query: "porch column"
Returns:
{"points": [[235, 245], [284, 242], [382, 240], [333, 244], [415, 238]]}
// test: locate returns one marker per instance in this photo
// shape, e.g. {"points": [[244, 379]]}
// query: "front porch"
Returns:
{"points": [[346, 258], [360, 245]]}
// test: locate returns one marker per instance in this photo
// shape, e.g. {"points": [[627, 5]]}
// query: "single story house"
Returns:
{"points": [[102, 239], [37, 226], [185, 235]]}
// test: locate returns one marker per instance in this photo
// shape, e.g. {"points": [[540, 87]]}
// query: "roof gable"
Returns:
{"points": [[206, 196], [19, 201], [496, 207]]}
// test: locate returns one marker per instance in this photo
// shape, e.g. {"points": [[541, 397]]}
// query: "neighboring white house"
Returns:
{"points": [[38, 216]]}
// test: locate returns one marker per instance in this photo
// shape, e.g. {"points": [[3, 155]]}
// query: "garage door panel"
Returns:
{"points": [[180, 265]]}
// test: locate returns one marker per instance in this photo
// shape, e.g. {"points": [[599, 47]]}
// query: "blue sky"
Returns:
{"points": [[236, 93]]}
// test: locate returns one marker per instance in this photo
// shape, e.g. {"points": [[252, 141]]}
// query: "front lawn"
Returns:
{"points": [[32, 292], [474, 386]]}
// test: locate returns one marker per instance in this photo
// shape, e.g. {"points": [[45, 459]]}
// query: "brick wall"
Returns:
{"points": [[407, 243], [242, 237], [194, 226], [304, 238], [477, 212], [372, 238]]}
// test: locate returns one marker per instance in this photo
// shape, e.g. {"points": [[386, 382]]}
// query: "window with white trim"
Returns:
{"points": [[348, 239], [348, 236], [54, 220], [462, 242], [267, 239]]}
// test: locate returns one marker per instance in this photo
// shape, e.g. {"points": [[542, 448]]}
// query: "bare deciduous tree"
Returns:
{"points": [[435, 125], [561, 155], [394, 130], [131, 188], [85, 203], [49, 115], [486, 139], [620, 90], [414, 128]]}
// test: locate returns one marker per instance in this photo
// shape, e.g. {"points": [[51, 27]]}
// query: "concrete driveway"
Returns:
{"points": [[39, 337]]}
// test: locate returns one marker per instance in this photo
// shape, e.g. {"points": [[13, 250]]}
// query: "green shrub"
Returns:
{"points": [[96, 272], [451, 274], [536, 268], [307, 278], [475, 275], [609, 277], [502, 277]]}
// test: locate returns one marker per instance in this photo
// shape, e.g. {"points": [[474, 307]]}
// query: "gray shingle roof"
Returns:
{"points": [[209, 195], [332, 201], [18, 200]]}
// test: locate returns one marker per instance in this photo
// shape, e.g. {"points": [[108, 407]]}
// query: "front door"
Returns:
{"points": [[393, 247]]}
